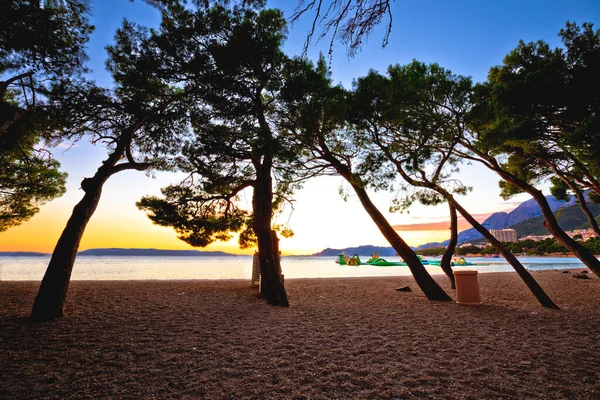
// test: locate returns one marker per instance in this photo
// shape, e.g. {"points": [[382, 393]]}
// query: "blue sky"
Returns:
{"points": [[465, 36]]}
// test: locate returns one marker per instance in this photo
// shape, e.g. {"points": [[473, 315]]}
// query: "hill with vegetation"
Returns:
{"points": [[527, 219], [569, 218], [524, 212]]}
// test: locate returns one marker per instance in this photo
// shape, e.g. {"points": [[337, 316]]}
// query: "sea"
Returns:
{"points": [[240, 267]]}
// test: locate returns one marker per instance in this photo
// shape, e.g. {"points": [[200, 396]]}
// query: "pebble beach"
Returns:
{"points": [[341, 338]]}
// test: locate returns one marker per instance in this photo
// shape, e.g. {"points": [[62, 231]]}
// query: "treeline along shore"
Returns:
{"points": [[547, 247]]}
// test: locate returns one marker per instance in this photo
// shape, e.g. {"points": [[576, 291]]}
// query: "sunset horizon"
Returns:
{"points": [[320, 218]]}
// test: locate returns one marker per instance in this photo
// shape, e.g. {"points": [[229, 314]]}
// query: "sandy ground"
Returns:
{"points": [[354, 338]]}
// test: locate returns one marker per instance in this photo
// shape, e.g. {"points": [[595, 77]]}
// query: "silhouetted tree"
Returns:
{"points": [[240, 142], [416, 118], [140, 122], [319, 113]]}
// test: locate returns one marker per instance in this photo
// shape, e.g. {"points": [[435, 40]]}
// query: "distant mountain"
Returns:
{"points": [[500, 220], [569, 218], [527, 219], [151, 253], [433, 244], [22, 254], [360, 250], [530, 209]]}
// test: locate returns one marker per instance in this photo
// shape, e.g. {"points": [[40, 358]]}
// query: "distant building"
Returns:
{"points": [[537, 238], [584, 233], [504, 235]]}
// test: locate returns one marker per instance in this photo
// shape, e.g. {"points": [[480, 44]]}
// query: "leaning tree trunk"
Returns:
{"points": [[531, 283], [447, 257], [272, 285], [580, 195], [551, 224], [586, 211], [52, 294], [428, 285]]}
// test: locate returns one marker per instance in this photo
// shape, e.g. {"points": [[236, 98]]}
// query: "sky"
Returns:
{"points": [[466, 36]]}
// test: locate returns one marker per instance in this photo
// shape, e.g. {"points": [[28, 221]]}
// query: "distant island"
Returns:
{"points": [[22, 254], [127, 253], [152, 253], [360, 250], [122, 252]]}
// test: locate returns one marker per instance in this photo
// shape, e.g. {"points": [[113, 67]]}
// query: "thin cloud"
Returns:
{"points": [[440, 225], [512, 204]]}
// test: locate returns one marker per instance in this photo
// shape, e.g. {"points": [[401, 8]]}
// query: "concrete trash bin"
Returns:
{"points": [[467, 288]]}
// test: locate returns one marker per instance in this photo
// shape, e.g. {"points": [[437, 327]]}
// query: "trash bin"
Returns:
{"points": [[467, 288]]}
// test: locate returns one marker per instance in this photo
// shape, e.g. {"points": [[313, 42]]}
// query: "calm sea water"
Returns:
{"points": [[238, 267]]}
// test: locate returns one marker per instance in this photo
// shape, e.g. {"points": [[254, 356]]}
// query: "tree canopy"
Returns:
{"points": [[540, 107], [41, 48], [234, 121]]}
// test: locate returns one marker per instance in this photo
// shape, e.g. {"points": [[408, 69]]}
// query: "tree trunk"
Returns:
{"points": [[447, 257], [428, 285], [551, 224], [275, 240], [52, 294], [531, 283], [262, 206], [586, 211]]}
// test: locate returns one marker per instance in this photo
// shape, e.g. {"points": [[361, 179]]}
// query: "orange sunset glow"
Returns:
{"points": [[41, 233]]}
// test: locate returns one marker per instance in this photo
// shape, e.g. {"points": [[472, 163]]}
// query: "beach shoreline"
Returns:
{"points": [[340, 338]]}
